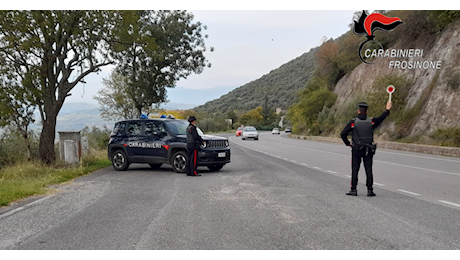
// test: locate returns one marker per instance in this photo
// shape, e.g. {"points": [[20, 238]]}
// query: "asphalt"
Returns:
{"points": [[258, 201]]}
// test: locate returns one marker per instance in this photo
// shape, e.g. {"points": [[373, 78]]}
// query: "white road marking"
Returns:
{"points": [[9, 213], [317, 168], [449, 203], [408, 166], [378, 184], [409, 192], [332, 171], [285, 158], [293, 161], [304, 164], [347, 176]]}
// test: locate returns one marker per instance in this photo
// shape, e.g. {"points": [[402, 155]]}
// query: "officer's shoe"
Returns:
{"points": [[370, 193], [353, 192]]}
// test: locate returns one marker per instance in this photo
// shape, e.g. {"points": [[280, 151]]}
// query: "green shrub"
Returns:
{"points": [[447, 136]]}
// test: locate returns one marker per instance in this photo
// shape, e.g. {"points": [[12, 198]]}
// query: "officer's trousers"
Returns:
{"points": [[356, 156], [192, 157]]}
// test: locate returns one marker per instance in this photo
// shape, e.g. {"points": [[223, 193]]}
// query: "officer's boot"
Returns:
{"points": [[353, 192], [370, 192]]}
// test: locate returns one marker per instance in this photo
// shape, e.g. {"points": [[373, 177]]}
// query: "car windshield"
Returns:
{"points": [[250, 129], [179, 127]]}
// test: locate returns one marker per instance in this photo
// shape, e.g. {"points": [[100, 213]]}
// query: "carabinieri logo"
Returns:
{"points": [[368, 24]]}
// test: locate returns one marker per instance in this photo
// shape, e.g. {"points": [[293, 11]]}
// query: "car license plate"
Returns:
{"points": [[221, 155]]}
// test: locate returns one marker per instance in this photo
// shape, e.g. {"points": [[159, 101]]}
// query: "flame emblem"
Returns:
{"points": [[368, 24]]}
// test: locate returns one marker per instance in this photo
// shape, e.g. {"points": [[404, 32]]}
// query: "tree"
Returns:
{"points": [[50, 52], [313, 99], [158, 49], [16, 110], [327, 56], [252, 117], [268, 113], [114, 100]]}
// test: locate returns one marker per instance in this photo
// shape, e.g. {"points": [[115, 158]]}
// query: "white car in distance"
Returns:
{"points": [[275, 131], [250, 132]]}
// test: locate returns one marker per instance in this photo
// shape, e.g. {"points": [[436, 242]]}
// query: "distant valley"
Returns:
{"points": [[75, 116]]}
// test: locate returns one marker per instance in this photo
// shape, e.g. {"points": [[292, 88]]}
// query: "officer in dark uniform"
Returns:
{"points": [[362, 133], [193, 141]]}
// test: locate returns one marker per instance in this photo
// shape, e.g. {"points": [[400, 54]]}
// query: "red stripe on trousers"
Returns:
{"points": [[194, 164]]}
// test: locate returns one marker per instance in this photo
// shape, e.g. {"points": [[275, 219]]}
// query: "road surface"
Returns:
{"points": [[277, 193]]}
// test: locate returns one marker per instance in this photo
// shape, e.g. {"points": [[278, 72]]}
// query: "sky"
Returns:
{"points": [[248, 44]]}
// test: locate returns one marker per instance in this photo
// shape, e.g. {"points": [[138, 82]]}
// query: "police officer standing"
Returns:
{"points": [[193, 141], [362, 133]]}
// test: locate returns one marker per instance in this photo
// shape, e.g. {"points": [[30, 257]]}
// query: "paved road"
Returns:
{"points": [[428, 177], [258, 201]]}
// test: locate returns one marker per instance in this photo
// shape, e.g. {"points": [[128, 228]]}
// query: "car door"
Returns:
{"points": [[135, 140], [155, 133]]}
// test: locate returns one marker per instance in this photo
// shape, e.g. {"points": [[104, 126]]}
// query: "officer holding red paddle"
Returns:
{"points": [[363, 147]]}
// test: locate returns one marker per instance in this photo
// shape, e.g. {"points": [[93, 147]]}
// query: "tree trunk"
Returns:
{"points": [[26, 140], [47, 136]]}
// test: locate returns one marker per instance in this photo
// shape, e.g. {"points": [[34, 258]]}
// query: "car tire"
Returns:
{"points": [[120, 161], [256, 139], [179, 162], [243, 138], [215, 167]]}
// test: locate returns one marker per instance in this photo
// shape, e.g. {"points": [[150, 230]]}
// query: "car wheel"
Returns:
{"points": [[119, 160], [256, 138], [179, 162], [215, 167], [242, 138]]}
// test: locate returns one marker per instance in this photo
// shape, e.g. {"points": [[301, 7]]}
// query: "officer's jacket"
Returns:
{"points": [[363, 131], [192, 135], [364, 122]]}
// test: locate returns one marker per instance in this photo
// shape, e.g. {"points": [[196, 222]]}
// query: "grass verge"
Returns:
{"points": [[32, 178]]}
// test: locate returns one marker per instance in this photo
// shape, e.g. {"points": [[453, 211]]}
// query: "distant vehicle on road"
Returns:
{"points": [[275, 131], [288, 130], [239, 131], [250, 132]]}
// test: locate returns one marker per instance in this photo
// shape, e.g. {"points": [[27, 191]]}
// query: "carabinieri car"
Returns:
{"points": [[162, 140]]}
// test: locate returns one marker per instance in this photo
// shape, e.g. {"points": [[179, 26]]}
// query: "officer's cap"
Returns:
{"points": [[363, 104], [191, 119]]}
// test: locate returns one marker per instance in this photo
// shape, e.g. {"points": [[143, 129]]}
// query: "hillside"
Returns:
{"points": [[280, 85], [427, 97], [431, 98]]}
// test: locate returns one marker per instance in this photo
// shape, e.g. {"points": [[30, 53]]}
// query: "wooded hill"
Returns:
{"points": [[280, 85]]}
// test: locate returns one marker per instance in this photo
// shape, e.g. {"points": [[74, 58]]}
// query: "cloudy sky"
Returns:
{"points": [[248, 44]]}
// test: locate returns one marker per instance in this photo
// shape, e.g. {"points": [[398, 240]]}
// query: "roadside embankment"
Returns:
{"points": [[418, 148]]}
